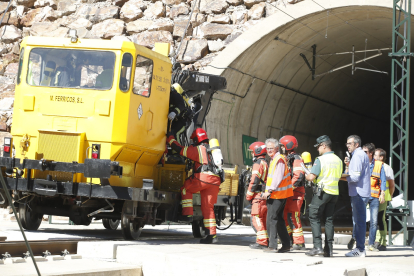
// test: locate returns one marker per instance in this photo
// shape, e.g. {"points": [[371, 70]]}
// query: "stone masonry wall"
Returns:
{"points": [[213, 25]]}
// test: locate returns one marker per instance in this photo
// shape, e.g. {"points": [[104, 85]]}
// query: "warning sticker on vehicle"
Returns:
{"points": [[140, 112], [201, 78]]}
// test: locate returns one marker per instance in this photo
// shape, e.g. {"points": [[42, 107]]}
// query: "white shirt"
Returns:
{"points": [[389, 172]]}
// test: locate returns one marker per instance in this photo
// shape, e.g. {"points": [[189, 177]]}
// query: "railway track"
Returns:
{"points": [[55, 247]]}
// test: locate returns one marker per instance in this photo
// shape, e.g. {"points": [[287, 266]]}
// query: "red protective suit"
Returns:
{"points": [[294, 203], [207, 183], [259, 208]]}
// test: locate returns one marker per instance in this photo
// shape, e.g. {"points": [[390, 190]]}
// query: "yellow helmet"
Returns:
{"points": [[178, 88]]}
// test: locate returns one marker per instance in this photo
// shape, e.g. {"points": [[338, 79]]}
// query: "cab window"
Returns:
{"points": [[71, 68], [143, 76], [19, 72], [126, 70]]}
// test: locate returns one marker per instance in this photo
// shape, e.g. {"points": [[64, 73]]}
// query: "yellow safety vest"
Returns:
{"points": [[376, 179], [331, 171], [285, 189]]}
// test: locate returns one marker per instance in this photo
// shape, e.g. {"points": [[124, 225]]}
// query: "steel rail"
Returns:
{"points": [[55, 247]]}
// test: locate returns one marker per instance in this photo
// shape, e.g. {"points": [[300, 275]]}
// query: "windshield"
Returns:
{"points": [[71, 68]]}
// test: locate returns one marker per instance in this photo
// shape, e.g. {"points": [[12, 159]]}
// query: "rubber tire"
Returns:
{"points": [[30, 220], [199, 231], [130, 230], [111, 224]]}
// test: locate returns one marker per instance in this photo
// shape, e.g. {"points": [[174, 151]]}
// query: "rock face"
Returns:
{"points": [[148, 39], [138, 26], [251, 3], [257, 11], [213, 6], [179, 28], [156, 10], [96, 14], [131, 11], [192, 50], [178, 10], [216, 31], [10, 34], [213, 25], [108, 28]]}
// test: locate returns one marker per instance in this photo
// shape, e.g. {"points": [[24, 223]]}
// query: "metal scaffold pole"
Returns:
{"points": [[400, 105]]}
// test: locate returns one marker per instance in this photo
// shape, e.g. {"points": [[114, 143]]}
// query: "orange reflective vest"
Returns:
{"points": [[376, 179], [285, 189]]}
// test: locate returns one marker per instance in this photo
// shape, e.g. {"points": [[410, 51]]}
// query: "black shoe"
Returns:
{"points": [[270, 250], [328, 253], [209, 239], [284, 249], [351, 244], [299, 246], [183, 218], [315, 251], [382, 248], [257, 246]]}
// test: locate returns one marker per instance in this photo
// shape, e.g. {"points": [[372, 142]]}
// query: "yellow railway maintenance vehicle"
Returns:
{"points": [[89, 133]]}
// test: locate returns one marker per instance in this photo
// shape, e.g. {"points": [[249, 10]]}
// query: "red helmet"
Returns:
{"points": [[199, 135], [258, 149], [289, 142]]}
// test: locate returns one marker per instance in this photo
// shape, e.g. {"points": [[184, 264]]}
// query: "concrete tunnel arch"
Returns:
{"points": [[337, 104]]}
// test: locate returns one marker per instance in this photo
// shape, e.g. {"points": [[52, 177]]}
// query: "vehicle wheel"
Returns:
{"points": [[199, 231], [30, 219], [131, 230], [111, 224]]}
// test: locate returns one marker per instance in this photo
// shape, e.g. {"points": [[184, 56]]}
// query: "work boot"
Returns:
{"points": [[299, 246], [183, 218], [327, 252], [382, 248], [270, 250], [315, 251], [257, 246], [351, 243], [284, 249], [209, 239]]}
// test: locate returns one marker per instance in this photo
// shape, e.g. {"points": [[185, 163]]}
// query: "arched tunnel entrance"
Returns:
{"points": [[271, 93]]}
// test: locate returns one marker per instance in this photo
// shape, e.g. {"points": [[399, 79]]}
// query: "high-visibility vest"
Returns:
{"points": [[285, 189], [387, 191], [376, 179], [331, 171]]}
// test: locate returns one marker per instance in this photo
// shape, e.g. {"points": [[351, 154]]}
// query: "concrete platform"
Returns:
{"points": [[166, 249], [71, 267]]}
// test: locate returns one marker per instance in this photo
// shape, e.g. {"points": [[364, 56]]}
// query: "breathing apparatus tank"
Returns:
{"points": [[307, 160], [216, 153]]}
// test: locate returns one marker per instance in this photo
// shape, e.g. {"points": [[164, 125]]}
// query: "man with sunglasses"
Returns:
{"points": [[359, 186], [326, 172]]}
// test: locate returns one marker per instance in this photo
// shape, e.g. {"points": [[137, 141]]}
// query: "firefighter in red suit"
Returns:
{"points": [[203, 180], [254, 194], [294, 203]]}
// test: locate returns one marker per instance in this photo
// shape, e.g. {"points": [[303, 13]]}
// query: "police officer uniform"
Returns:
{"points": [[327, 169]]}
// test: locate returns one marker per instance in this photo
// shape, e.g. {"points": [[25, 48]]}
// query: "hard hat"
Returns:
{"points": [[199, 135], [289, 142], [178, 88], [258, 149]]}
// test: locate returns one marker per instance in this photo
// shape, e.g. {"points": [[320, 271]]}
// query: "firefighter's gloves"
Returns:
{"points": [[170, 133], [171, 116]]}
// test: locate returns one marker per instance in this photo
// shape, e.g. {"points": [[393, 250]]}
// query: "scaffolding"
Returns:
{"points": [[400, 108]]}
